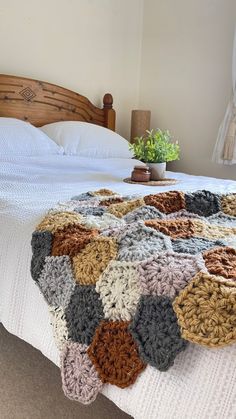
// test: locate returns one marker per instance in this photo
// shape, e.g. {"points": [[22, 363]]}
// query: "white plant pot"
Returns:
{"points": [[158, 170]]}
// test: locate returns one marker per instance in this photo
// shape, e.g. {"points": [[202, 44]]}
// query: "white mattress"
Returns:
{"points": [[202, 383]]}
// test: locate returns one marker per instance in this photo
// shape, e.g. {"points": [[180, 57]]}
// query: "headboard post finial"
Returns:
{"points": [[110, 115], [107, 101]]}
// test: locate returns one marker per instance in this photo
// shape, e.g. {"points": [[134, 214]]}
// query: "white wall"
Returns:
{"points": [[170, 56], [90, 46], [186, 75]]}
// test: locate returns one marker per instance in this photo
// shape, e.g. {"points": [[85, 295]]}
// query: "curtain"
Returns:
{"points": [[225, 148]]}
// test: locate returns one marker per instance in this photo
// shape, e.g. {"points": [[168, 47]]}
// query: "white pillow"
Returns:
{"points": [[19, 138], [87, 140]]}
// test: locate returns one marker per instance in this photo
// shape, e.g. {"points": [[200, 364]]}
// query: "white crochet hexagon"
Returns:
{"points": [[119, 290], [58, 321], [103, 222]]}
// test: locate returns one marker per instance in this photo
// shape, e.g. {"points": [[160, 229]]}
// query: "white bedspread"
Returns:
{"points": [[202, 383]]}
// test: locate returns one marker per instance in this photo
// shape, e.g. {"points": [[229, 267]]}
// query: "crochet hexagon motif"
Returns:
{"points": [[156, 331], [86, 210], [111, 200], [82, 197], [58, 321], [58, 220], [105, 221], [222, 219], [41, 244], [166, 202], [181, 214], [228, 204], [80, 379], [83, 314], [139, 242], [179, 228], [72, 239], [221, 261], [145, 212], [93, 260], [103, 192], [206, 311], [115, 355], [195, 245], [119, 290], [168, 272], [119, 210], [56, 281], [204, 203], [212, 231], [65, 206]]}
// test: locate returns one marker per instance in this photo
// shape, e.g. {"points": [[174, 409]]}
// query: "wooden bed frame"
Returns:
{"points": [[42, 103]]}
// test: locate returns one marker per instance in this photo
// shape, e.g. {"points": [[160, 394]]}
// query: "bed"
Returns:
{"points": [[202, 382]]}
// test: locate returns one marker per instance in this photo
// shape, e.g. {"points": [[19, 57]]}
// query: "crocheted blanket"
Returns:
{"points": [[130, 281]]}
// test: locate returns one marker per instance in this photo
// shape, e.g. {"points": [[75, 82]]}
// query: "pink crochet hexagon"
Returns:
{"points": [[80, 379], [167, 273]]}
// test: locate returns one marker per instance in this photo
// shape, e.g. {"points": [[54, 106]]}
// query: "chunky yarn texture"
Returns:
{"points": [[80, 379], [203, 203], [115, 355], [58, 322], [167, 273], [119, 290], [93, 260], [166, 202], [221, 261], [156, 331], [206, 311], [130, 280]]}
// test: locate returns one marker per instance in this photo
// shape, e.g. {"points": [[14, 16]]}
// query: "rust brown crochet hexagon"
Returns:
{"points": [[166, 202], [206, 310], [93, 260], [71, 240], [221, 261], [178, 228], [115, 354]]}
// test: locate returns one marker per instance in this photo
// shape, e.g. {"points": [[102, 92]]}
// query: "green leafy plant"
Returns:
{"points": [[156, 147]]}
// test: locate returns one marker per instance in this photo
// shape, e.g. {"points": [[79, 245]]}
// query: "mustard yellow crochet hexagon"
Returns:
{"points": [[93, 259], [206, 311], [211, 231], [228, 204], [121, 209], [58, 220]]}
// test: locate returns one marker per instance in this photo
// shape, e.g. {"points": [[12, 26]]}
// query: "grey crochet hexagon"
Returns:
{"points": [[98, 211], [204, 203], [222, 219], [82, 197], [145, 212], [195, 245], [156, 332], [56, 281], [139, 242], [83, 314], [41, 244]]}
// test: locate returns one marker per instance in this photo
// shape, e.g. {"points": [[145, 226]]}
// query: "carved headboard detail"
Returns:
{"points": [[42, 103]]}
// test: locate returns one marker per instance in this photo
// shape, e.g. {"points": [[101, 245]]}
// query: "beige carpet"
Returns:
{"points": [[30, 387]]}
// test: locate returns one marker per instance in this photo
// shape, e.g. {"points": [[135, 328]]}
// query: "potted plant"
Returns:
{"points": [[155, 150]]}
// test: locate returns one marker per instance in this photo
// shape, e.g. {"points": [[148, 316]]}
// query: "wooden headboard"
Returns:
{"points": [[42, 103]]}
